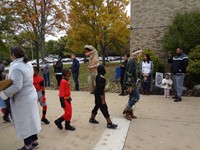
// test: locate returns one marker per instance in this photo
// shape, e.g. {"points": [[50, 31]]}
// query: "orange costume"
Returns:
{"points": [[38, 82], [65, 99]]}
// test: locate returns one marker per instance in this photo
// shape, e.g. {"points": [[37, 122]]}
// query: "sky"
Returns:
{"points": [[50, 37]]}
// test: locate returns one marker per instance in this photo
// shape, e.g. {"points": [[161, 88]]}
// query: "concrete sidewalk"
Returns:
{"points": [[161, 125]]}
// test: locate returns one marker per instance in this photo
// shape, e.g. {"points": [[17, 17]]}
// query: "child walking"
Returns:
{"points": [[100, 102], [38, 82], [167, 84], [65, 101]]}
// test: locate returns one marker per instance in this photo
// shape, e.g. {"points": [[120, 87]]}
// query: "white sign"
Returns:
{"points": [[158, 79]]}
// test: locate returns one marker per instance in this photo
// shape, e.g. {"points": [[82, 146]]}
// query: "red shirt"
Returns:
{"points": [[64, 89], [38, 82]]}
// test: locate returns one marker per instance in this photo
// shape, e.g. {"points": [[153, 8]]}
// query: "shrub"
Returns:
{"points": [[193, 70]]}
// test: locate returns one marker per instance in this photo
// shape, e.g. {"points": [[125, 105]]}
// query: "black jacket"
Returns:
{"points": [[58, 67], [179, 63]]}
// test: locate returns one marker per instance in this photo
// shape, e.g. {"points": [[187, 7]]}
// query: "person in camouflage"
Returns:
{"points": [[130, 82]]}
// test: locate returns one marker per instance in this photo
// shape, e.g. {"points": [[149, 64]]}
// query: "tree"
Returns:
{"points": [[6, 32], [101, 23], [183, 32], [40, 17]]}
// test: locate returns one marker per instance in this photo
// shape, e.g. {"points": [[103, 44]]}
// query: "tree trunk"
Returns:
{"points": [[37, 52], [42, 32]]}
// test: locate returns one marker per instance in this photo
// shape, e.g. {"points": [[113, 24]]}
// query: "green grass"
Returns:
{"points": [[83, 75]]}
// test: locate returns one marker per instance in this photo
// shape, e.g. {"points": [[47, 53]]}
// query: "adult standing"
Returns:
{"points": [[130, 81], [123, 70], [23, 101], [146, 69], [58, 65], [75, 71], [46, 73], [92, 53], [178, 69]]}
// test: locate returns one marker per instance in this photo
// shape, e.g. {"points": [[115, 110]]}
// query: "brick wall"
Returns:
{"points": [[150, 19]]}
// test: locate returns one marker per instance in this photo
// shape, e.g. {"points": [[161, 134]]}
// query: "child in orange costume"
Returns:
{"points": [[65, 101], [38, 82]]}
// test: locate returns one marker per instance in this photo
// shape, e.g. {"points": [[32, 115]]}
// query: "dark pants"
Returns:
{"points": [[122, 84], [146, 85], [46, 79], [75, 78], [30, 139], [58, 78], [7, 109], [99, 105]]}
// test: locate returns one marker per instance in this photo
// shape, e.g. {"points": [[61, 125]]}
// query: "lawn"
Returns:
{"points": [[83, 75]]}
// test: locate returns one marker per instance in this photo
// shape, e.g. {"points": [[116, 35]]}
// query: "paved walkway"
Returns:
{"points": [[161, 125]]}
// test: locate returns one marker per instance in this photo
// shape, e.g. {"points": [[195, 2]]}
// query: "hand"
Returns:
{"points": [[3, 96], [43, 99], [169, 54], [130, 90], [103, 99], [103, 102], [62, 102]]}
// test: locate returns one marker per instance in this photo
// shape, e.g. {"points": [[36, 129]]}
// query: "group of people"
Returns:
{"points": [[28, 88], [145, 70], [171, 80]]}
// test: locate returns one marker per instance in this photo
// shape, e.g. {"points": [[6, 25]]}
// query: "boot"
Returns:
{"points": [[68, 126], [58, 122], [93, 120], [132, 115], [126, 113], [125, 110], [128, 116]]}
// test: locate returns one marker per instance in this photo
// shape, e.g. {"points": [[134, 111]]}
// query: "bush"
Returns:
{"points": [[158, 64], [193, 70], [183, 32]]}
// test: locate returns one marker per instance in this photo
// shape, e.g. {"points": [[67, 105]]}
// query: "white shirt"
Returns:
{"points": [[146, 67]]}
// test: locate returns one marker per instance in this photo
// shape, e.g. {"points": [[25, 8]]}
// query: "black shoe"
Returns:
{"points": [[35, 145], [112, 126], [6, 119], [69, 127], [178, 99], [58, 124], [45, 120], [24, 148], [94, 121], [175, 97]]}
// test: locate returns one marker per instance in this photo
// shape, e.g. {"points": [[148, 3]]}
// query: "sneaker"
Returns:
{"points": [[178, 99], [45, 121], [112, 126], [35, 145], [94, 121], [69, 127], [175, 97], [58, 124], [24, 148]]}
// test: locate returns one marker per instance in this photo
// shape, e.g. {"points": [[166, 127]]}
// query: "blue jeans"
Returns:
{"points": [[46, 79], [133, 98], [178, 80], [146, 84]]}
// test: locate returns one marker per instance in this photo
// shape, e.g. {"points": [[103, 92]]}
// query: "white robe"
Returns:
{"points": [[23, 95]]}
